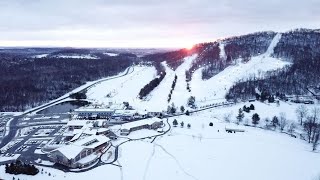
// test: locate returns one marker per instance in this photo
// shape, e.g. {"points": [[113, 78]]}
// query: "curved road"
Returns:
{"points": [[13, 123]]}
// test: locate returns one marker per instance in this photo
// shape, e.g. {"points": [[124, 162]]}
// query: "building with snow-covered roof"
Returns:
{"points": [[125, 114], [153, 123], [76, 124], [80, 153], [93, 113]]}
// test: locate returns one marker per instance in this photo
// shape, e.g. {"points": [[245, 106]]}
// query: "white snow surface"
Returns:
{"points": [[203, 153], [40, 56], [81, 56], [157, 100], [214, 89], [111, 54], [123, 89], [222, 51], [180, 94]]}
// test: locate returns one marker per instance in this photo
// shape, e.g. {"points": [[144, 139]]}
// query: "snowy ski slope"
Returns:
{"points": [[215, 88], [124, 89]]}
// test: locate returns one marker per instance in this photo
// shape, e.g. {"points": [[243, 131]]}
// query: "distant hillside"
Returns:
{"points": [[26, 83], [301, 47]]}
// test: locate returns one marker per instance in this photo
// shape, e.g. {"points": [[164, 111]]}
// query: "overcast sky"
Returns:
{"points": [[146, 23]]}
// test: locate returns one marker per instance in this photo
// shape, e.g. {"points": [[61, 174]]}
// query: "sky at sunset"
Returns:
{"points": [[146, 23]]}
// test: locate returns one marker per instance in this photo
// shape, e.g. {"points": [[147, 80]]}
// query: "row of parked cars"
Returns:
{"points": [[7, 155]]}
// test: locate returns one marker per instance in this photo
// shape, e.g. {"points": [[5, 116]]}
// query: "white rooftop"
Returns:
{"points": [[89, 142], [70, 151], [139, 123], [77, 123], [100, 139], [93, 110], [125, 112]]}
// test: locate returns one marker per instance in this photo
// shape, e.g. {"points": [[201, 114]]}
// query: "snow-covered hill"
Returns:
{"points": [[124, 89], [214, 89], [206, 91]]}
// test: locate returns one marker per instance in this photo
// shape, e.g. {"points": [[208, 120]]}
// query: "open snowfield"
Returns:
{"points": [[203, 152], [82, 56], [123, 89]]}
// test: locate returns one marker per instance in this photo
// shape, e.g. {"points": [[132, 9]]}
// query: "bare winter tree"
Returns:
{"points": [[227, 117], [283, 121], [302, 113], [292, 127], [315, 142], [311, 124]]}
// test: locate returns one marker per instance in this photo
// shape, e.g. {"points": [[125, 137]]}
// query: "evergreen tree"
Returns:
{"points": [[275, 121], [182, 124], [240, 116], [255, 119], [175, 122], [251, 107], [182, 109], [173, 108]]}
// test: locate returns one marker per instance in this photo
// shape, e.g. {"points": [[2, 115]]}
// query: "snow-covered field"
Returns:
{"points": [[123, 89], [111, 54], [82, 56], [203, 152], [40, 56]]}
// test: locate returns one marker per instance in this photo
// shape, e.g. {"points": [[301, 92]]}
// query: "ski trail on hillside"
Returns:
{"points": [[222, 54], [180, 94], [157, 99], [214, 89], [273, 44]]}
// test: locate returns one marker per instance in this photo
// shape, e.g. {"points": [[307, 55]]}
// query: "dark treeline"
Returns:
{"points": [[172, 87], [248, 45], [20, 168], [299, 47], [243, 47], [154, 83], [29, 82], [173, 58]]}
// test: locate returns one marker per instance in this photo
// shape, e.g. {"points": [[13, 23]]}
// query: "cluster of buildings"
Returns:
{"points": [[86, 140], [115, 111]]}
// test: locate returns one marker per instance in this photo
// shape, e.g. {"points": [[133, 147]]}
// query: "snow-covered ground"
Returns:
{"points": [[215, 88], [82, 56], [40, 56], [123, 89], [3, 158], [111, 54], [203, 152], [180, 94], [87, 84], [157, 100]]}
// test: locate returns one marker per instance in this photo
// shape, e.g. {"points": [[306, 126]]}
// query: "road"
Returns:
{"points": [[13, 123]]}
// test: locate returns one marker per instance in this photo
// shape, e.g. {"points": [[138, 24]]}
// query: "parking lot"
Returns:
{"points": [[29, 141]]}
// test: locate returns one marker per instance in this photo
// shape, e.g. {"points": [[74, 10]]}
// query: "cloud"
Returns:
{"points": [[148, 22]]}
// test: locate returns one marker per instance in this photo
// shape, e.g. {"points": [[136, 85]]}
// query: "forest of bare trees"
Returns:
{"points": [[27, 83]]}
